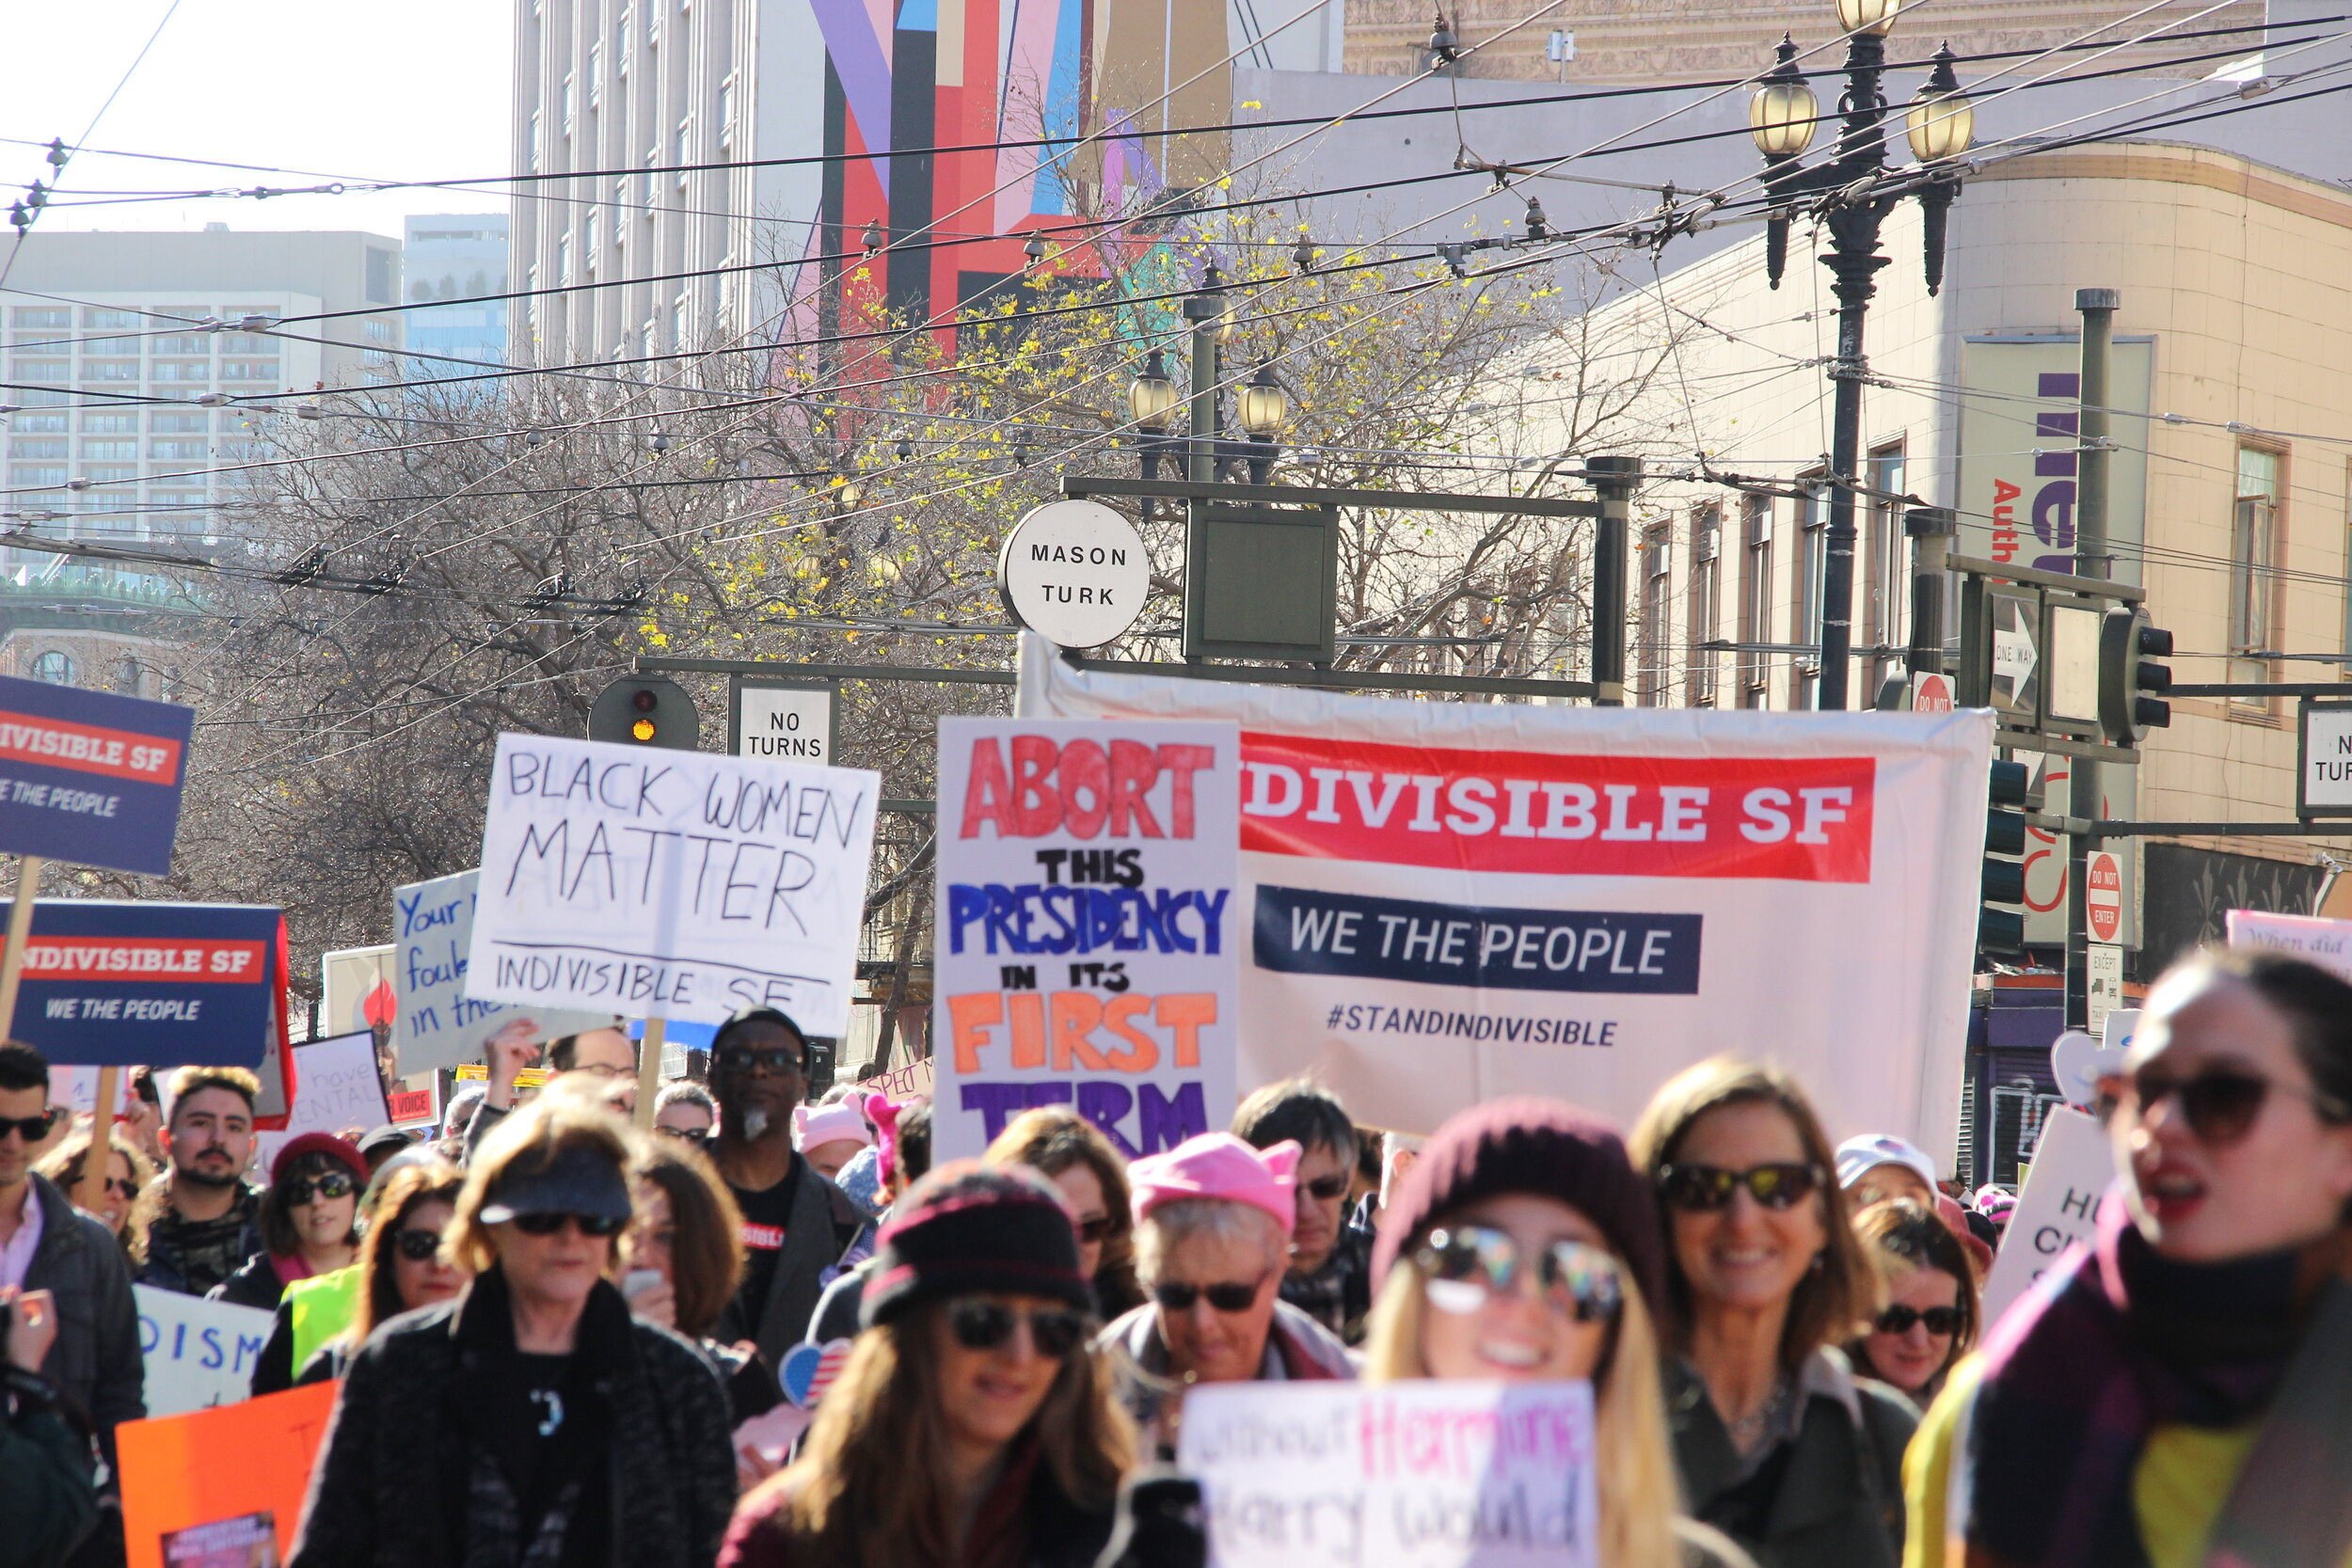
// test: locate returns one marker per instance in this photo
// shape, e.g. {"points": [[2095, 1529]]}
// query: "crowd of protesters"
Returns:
{"points": [[559, 1340]]}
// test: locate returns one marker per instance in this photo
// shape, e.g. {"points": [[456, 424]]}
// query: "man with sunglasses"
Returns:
{"points": [[796, 1224], [210, 1219], [48, 1244], [1330, 1277]]}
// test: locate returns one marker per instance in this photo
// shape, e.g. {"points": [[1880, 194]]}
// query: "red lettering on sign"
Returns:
{"points": [[1077, 789], [1789, 818], [89, 748]]}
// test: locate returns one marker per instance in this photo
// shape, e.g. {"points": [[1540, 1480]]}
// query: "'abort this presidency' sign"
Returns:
{"points": [[90, 777], [670, 884]]}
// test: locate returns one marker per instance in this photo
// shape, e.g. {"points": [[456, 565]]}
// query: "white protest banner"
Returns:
{"points": [[1452, 901], [1089, 931], [2325, 942], [2059, 1203], [438, 1024], [1423, 1473], [670, 884], [337, 1088], [198, 1352]]}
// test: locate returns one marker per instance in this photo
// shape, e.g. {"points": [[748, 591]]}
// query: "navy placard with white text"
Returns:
{"points": [[90, 777], [135, 983]]}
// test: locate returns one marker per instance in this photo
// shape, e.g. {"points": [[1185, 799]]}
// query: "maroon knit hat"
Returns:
{"points": [[970, 1228], [319, 1143], [1544, 1146]]}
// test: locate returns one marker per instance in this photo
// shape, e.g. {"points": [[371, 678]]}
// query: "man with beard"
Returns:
{"points": [[796, 1224], [211, 1220]]}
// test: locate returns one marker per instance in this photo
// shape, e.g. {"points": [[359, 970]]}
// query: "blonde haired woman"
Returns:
{"points": [[973, 1424], [1523, 1246]]}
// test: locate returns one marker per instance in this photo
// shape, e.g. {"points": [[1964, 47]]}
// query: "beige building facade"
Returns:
{"points": [[2234, 339]]}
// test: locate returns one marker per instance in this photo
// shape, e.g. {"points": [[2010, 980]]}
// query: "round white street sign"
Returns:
{"points": [[1074, 573]]}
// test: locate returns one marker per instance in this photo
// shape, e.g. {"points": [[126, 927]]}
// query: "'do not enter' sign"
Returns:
{"points": [[1074, 573]]}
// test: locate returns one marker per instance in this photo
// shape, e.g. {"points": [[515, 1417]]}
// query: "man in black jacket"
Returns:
{"points": [[796, 1224]]}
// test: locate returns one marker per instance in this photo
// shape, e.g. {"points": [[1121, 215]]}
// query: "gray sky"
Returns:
{"points": [[413, 91]]}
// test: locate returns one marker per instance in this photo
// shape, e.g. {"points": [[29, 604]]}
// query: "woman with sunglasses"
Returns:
{"points": [[309, 1220], [1779, 1446], [971, 1424], [2173, 1392], [1926, 1280], [124, 1206], [1523, 1246], [403, 1265], [531, 1420], [1213, 1230], [1073, 1153]]}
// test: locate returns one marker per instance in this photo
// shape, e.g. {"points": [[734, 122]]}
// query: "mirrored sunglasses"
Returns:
{"points": [[1701, 1188], [1468, 1265]]}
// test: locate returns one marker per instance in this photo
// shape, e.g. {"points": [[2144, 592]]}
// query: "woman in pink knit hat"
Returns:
{"points": [[1213, 1227], [830, 1136]]}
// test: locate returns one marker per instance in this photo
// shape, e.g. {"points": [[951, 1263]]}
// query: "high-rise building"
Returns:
{"points": [[454, 257]]}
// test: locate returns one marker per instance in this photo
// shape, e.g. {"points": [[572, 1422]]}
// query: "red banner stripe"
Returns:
{"points": [[186, 961], [89, 748]]}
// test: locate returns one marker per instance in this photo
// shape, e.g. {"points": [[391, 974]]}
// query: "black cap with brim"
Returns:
{"points": [[581, 1179]]}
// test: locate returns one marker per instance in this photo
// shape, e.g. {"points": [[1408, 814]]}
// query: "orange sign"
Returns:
{"points": [[225, 1462]]}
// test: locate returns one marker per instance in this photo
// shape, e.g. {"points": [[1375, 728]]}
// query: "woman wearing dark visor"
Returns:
{"points": [[2179, 1390], [1779, 1445], [531, 1420], [972, 1423]]}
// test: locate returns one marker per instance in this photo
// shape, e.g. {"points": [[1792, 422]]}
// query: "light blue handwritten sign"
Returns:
{"points": [[440, 1025]]}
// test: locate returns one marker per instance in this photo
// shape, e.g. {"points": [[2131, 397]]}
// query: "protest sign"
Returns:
{"points": [[2072, 1167], [2325, 942], [110, 983], [670, 884], [438, 1025], [76, 1088], [90, 777], [356, 988], [208, 1466], [337, 1088], [1087, 927], [1445, 902], [901, 1084], [197, 1352], [1429, 1474], [417, 1107]]}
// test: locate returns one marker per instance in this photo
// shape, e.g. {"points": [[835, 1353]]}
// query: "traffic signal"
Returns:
{"points": [[2002, 929], [2127, 641], [646, 710]]}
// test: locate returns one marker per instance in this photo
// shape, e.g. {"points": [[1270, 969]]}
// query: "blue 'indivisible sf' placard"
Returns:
{"points": [[134, 984], [90, 777]]}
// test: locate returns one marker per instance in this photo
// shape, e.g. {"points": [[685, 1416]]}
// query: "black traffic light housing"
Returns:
{"points": [[646, 710], [2002, 929], [2127, 642]]}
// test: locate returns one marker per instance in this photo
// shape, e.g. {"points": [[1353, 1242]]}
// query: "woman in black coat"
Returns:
{"points": [[533, 1419]]}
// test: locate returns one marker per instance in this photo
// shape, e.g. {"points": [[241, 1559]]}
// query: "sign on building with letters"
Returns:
{"points": [[2019, 413]]}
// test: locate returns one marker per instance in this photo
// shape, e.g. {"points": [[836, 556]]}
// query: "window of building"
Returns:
{"points": [[591, 237], [620, 214], [110, 321], [726, 116], [677, 323], [623, 44], [653, 25], [115, 451], [177, 452], [377, 329], [172, 423], [100, 347], [1811, 565], [536, 142], [43, 475], [39, 316], [54, 666], [37, 421], [595, 75], [1707, 530], [24, 450], [110, 476], [653, 180], [111, 424], [182, 370], [531, 303], [1755, 598], [563, 258], [246, 342], [685, 140], [380, 267], [1656, 611], [563, 105], [249, 369], [2254, 566], [40, 369], [1887, 559], [189, 342], [110, 370]]}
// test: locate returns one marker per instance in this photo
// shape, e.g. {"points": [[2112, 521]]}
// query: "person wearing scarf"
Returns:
{"points": [[2178, 1394]]}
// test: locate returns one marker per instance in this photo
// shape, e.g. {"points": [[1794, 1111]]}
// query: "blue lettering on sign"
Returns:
{"points": [[1300, 931], [1055, 918]]}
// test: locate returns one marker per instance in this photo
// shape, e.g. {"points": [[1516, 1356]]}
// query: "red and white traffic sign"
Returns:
{"points": [[1931, 692], [2102, 894]]}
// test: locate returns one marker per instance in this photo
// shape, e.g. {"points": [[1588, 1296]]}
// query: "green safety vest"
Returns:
{"points": [[321, 1307]]}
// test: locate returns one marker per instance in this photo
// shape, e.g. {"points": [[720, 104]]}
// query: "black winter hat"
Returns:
{"points": [[969, 1227], [1544, 1146]]}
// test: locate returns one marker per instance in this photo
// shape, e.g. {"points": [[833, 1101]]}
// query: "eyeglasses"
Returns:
{"points": [[1325, 1188], [1092, 1232], [1701, 1188], [696, 1136], [416, 1245], [980, 1325], [1228, 1298], [1469, 1264], [742, 1059], [2221, 1102], [603, 1069], [547, 1224], [334, 1184], [34, 1128], [1944, 1321]]}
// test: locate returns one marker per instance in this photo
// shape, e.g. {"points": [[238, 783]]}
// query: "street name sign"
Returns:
{"points": [[1075, 572]]}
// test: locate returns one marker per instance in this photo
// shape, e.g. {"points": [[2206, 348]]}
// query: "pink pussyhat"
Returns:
{"points": [[839, 1122], [1218, 1165]]}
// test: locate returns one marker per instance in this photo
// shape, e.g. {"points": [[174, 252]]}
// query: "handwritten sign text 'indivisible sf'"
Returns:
{"points": [[1405, 1475], [670, 884]]}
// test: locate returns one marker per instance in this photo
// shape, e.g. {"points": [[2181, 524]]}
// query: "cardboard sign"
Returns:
{"points": [[902, 1084], [1088, 931], [337, 1088], [356, 988], [90, 777], [438, 1024], [670, 884], [198, 1352], [2072, 1169], [2325, 942], [1446, 902], [111, 984], [418, 1107], [210, 1465], [1426, 1474]]}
